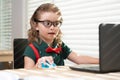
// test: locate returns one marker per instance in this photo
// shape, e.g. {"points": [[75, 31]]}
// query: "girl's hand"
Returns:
{"points": [[49, 59]]}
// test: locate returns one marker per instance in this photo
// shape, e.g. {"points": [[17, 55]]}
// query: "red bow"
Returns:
{"points": [[56, 50]]}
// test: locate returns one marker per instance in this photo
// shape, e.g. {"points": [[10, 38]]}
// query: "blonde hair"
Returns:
{"points": [[33, 34]]}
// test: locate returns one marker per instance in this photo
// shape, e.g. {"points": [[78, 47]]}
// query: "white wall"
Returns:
{"points": [[18, 19]]}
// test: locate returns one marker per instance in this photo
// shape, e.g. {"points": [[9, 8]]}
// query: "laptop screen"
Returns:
{"points": [[109, 41]]}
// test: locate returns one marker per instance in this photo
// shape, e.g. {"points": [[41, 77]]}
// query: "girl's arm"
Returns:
{"points": [[80, 59], [29, 63]]}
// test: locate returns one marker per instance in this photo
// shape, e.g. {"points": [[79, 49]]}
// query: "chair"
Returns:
{"points": [[19, 47]]}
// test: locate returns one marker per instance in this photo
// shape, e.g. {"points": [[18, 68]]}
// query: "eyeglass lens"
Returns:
{"points": [[49, 23]]}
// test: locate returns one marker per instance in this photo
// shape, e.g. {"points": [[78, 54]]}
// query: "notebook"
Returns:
{"points": [[109, 51]]}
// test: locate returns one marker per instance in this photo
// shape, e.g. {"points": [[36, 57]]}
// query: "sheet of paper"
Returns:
{"points": [[50, 78], [8, 76]]}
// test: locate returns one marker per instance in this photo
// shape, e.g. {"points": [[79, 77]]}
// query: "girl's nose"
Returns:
{"points": [[52, 27]]}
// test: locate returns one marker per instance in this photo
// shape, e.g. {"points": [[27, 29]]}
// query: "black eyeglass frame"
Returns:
{"points": [[51, 23]]}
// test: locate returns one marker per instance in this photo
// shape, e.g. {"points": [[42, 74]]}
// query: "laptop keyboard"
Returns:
{"points": [[92, 68], [88, 67]]}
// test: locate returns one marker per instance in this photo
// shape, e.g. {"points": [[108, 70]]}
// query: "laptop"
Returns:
{"points": [[109, 51]]}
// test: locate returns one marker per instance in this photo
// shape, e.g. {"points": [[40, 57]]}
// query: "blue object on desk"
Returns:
{"points": [[48, 65]]}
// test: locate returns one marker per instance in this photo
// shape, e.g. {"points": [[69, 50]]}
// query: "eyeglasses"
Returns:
{"points": [[48, 23]]}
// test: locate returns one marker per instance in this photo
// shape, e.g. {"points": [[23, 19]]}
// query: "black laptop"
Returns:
{"points": [[109, 51]]}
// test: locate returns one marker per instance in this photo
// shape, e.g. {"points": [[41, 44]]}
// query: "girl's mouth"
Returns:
{"points": [[52, 33]]}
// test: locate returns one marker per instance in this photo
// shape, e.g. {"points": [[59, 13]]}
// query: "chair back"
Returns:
{"points": [[19, 47]]}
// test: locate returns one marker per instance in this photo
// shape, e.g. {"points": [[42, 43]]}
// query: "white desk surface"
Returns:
{"points": [[63, 73]]}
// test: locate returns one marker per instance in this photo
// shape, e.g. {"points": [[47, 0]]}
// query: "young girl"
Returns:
{"points": [[45, 34]]}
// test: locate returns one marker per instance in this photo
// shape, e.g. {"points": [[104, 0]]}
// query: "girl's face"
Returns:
{"points": [[48, 26]]}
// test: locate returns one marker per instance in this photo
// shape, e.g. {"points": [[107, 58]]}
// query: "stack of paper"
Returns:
{"points": [[8, 76]]}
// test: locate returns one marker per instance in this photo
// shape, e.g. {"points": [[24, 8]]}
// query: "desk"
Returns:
{"points": [[64, 73], [6, 55]]}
